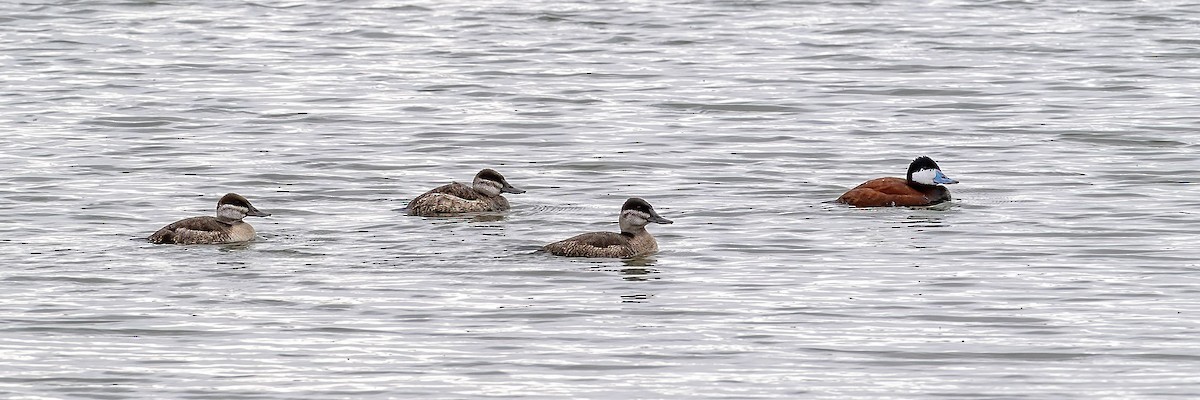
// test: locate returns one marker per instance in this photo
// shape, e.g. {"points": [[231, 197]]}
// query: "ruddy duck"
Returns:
{"points": [[633, 240], [922, 188], [457, 198], [226, 227]]}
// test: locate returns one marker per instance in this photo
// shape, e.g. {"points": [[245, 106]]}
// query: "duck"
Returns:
{"points": [[226, 227], [633, 240], [922, 187], [456, 198]]}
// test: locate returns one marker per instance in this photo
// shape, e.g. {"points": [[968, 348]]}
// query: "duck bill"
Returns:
{"points": [[659, 220], [254, 212], [511, 189], [941, 178]]}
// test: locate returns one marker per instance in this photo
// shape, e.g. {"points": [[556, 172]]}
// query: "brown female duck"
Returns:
{"points": [[456, 198], [226, 227], [633, 240]]}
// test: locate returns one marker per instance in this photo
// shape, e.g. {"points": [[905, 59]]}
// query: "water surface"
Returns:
{"points": [[1063, 269]]}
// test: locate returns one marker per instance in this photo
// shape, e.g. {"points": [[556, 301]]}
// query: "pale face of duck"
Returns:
{"points": [[235, 207], [925, 171], [491, 183], [637, 213]]}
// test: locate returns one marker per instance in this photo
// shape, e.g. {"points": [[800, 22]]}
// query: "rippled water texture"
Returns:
{"points": [[1065, 267]]}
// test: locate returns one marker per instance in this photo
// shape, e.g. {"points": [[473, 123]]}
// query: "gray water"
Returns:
{"points": [[1065, 268]]}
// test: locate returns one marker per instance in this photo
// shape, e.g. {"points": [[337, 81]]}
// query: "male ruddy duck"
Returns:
{"points": [[457, 198], [633, 240], [226, 227], [922, 188]]}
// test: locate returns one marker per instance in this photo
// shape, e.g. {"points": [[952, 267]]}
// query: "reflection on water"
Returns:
{"points": [[638, 274], [640, 261], [635, 269], [488, 218], [930, 220], [237, 246]]}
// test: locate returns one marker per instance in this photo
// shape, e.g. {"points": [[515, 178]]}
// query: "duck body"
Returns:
{"points": [[633, 240], [604, 245], [457, 198], [922, 187], [226, 227], [203, 230], [894, 192]]}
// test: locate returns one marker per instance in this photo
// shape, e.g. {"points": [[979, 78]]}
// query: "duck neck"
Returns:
{"points": [[628, 229], [227, 220], [921, 186]]}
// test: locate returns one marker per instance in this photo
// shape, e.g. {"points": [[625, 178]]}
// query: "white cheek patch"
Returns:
{"points": [[925, 176], [231, 211], [635, 217], [490, 188]]}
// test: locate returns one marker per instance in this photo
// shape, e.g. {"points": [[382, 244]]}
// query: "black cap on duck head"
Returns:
{"points": [[491, 175], [921, 163], [637, 204], [924, 170], [235, 199]]}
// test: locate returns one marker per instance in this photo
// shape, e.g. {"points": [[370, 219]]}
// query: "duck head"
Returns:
{"points": [[234, 207], [925, 171], [637, 213], [491, 183]]}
